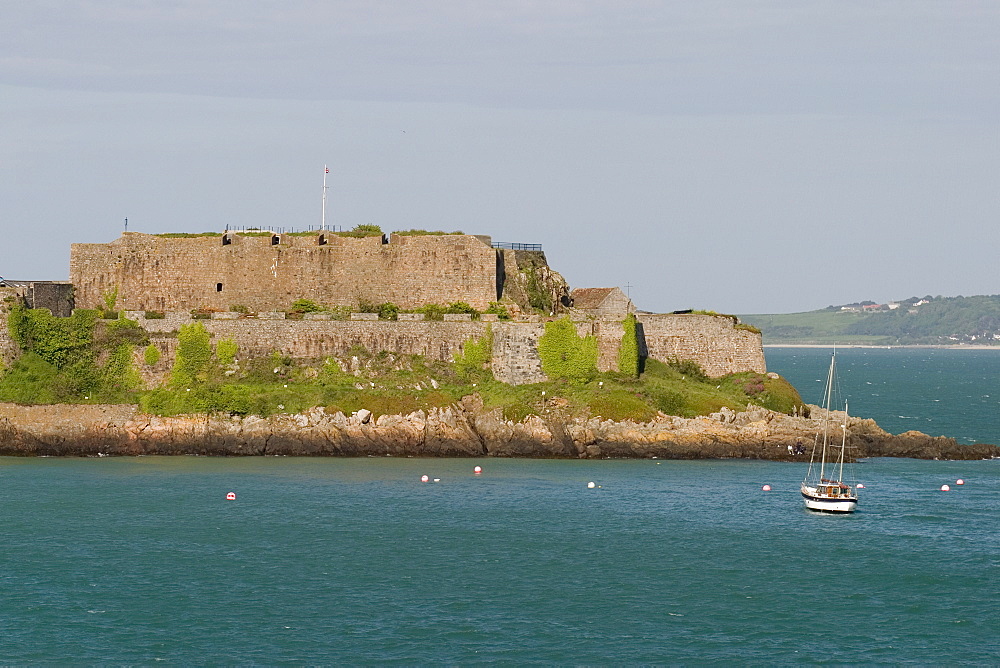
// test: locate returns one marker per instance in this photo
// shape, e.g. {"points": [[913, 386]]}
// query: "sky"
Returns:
{"points": [[743, 157]]}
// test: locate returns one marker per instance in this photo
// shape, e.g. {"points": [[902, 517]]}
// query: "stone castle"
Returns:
{"points": [[242, 284]]}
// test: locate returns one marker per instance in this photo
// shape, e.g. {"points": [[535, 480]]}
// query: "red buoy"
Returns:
{"points": [[425, 478], [477, 470]]}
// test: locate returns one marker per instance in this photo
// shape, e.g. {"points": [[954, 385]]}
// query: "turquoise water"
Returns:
{"points": [[939, 391], [333, 561]]}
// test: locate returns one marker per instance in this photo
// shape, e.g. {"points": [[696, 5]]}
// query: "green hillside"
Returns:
{"points": [[914, 321]]}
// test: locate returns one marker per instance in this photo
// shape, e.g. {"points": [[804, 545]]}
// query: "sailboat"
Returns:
{"points": [[827, 491]]}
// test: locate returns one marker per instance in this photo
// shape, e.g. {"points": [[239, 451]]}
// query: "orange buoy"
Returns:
{"points": [[231, 496], [766, 488], [945, 488]]}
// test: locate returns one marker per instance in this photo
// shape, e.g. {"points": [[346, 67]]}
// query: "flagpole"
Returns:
{"points": [[326, 170]]}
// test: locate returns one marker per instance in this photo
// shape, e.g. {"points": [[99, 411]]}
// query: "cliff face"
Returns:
{"points": [[464, 430]]}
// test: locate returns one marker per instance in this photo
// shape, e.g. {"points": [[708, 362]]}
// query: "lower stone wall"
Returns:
{"points": [[9, 349], [711, 341]]}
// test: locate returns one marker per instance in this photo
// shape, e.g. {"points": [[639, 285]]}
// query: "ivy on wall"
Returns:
{"points": [[119, 373], [628, 351], [226, 350], [564, 354], [194, 356], [477, 352], [55, 340], [151, 355]]}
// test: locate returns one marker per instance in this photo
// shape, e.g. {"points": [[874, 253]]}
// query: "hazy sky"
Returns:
{"points": [[746, 157]]}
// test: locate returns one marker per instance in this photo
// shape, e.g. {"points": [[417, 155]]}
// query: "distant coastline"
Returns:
{"points": [[883, 347]]}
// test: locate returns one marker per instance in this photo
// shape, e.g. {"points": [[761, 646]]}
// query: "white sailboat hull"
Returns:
{"points": [[816, 500]]}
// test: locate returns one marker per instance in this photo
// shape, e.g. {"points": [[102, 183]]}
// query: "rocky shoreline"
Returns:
{"points": [[461, 430]]}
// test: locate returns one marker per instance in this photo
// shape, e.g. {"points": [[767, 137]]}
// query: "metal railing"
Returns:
{"points": [[284, 230], [510, 246]]}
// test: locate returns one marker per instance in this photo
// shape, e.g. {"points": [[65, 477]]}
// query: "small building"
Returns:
{"points": [[57, 296], [601, 303]]}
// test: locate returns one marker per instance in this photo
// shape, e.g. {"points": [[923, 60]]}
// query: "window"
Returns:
{"points": [[322, 240], [275, 240], [218, 287], [226, 239]]}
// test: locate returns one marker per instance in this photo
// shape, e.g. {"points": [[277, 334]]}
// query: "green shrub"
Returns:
{"points": [[155, 315], [499, 310], [432, 311], [55, 340], [421, 233], [564, 354], [306, 306], [462, 307], [388, 311], [151, 355], [29, 380]]}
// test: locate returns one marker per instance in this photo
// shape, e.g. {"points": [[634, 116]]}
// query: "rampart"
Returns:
{"points": [[515, 357], [264, 271], [714, 342]]}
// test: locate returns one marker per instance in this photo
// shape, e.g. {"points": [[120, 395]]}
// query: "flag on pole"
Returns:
{"points": [[327, 169]]}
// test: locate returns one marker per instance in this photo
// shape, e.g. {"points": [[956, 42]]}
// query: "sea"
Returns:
{"points": [[277, 561]]}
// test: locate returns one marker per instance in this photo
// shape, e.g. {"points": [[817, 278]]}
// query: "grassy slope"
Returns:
{"points": [[811, 327]]}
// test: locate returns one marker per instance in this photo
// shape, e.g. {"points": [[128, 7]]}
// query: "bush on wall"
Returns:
{"points": [[564, 354], [628, 351], [476, 355], [194, 355]]}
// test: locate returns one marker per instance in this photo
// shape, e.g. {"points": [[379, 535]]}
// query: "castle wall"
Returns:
{"points": [[711, 341], [155, 273], [515, 349], [9, 349]]}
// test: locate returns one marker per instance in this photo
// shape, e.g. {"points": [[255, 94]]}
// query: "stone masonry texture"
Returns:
{"points": [[269, 272]]}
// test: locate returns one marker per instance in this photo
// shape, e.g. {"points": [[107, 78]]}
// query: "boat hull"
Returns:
{"points": [[815, 501]]}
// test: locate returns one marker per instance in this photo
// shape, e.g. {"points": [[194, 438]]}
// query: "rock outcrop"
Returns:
{"points": [[461, 430]]}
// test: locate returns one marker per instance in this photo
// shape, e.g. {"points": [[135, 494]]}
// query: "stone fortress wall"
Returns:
{"points": [[266, 271], [711, 341]]}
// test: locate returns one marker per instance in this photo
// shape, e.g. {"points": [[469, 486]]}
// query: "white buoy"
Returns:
{"points": [[945, 488], [437, 479], [959, 482], [231, 496], [477, 470], [425, 478], [860, 486], [591, 485], [766, 488]]}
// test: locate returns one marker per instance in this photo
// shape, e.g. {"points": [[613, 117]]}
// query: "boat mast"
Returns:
{"points": [[826, 419], [843, 445]]}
